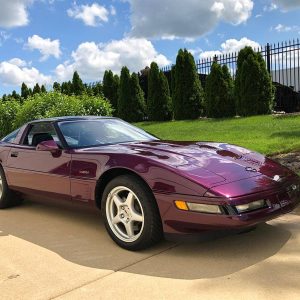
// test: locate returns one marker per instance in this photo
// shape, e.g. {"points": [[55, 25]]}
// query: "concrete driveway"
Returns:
{"points": [[50, 251]]}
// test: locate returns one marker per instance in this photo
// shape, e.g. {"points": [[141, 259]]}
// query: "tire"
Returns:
{"points": [[248, 229], [7, 197], [130, 213]]}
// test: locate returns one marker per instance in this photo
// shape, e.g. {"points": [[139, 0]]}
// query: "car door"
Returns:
{"points": [[39, 172]]}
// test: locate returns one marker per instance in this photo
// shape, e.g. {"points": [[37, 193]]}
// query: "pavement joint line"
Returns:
{"points": [[115, 271]]}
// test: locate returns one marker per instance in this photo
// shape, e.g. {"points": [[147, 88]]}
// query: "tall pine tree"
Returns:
{"points": [[77, 84], [56, 87], [131, 102], [254, 90], [25, 93], [124, 100], [36, 89], [220, 102], [188, 95], [137, 100], [111, 87], [159, 100]]}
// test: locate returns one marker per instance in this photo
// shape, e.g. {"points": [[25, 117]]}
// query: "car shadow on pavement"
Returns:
{"points": [[79, 236]]}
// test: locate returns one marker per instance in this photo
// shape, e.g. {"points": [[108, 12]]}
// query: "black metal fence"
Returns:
{"points": [[282, 60]]}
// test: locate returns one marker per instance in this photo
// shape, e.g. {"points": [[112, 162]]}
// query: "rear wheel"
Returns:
{"points": [[130, 213], [7, 197]]}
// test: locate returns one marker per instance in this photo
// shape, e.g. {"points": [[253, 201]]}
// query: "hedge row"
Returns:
{"points": [[46, 105]]}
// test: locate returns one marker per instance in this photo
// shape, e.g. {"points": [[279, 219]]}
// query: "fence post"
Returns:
{"points": [[268, 53]]}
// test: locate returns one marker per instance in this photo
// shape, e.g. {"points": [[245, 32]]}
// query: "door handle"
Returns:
{"points": [[14, 154]]}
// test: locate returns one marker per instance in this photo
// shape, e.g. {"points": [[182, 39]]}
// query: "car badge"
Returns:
{"points": [[294, 187], [276, 178], [249, 169]]}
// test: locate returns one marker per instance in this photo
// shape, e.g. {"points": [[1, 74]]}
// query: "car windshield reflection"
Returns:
{"points": [[90, 133]]}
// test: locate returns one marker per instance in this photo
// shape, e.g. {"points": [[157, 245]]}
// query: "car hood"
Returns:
{"points": [[228, 162], [207, 163]]}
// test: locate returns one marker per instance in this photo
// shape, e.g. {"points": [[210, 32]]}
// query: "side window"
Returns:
{"points": [[11, 137], [41, 132]]}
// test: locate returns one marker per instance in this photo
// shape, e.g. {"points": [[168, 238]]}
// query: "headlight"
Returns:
{"points": [[251, 206], [198, 207]]}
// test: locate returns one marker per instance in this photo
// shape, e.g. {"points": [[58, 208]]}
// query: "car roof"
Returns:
{"points": [[69, 118]]}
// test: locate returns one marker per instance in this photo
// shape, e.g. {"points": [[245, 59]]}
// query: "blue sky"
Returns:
{"points": [[46, 40]]}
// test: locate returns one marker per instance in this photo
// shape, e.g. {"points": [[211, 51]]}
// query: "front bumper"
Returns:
{"points": [[175, 221]]}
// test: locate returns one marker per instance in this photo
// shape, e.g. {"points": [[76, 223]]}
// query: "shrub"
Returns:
{"points": [[159, 100], [219, 98], [131, 103], [188, 95], [8, 111], [254, 90], [54, 104]]}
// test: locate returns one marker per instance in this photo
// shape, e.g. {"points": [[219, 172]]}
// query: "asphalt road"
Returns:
{"points": [[55, 252]]}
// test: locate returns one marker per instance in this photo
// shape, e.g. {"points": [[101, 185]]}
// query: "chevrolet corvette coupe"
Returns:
{"points": [[145, 187]]}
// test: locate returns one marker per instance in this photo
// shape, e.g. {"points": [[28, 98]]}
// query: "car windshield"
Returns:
{"points": [[89, 133], [11, 137]]}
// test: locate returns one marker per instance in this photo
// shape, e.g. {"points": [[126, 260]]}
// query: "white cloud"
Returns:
{"points": [[91, 59], [113, 11], [4, 36], [270, 7], [284, 28], [18, 62], [209, 54], [185, 19], [92, 15], [288, 4], [14, 13], [229, 46], [16, 71], [46, 47]]}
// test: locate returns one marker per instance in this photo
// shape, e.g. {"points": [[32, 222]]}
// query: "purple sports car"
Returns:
{"points": [[145, 187]]}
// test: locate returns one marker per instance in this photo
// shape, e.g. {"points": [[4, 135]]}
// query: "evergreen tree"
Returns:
{"points": [[159, 100], [56, 87], [124, 100], [15, 95], [131, 103], [43, 89], [110, 87], [77, 84], [188, 94], [220, 102], [97, 89], [36, 89], [66, 88], [172, 86], [115, 96], [25, 93], [89, 89], [254, 90], [137, 100]]}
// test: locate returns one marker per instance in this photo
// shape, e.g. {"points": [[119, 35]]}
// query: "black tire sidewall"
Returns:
{"points": [[4, 201]]}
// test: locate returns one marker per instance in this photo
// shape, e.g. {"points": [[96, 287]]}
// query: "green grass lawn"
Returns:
{"points": [[265, 134]]}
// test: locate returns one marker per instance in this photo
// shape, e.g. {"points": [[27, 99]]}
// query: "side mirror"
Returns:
{"points": [[50, 146]]}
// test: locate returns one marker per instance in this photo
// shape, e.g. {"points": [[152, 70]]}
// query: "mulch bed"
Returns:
{"points": [[290, 160]]}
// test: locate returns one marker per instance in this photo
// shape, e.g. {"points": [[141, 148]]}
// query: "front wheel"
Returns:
{"points": [[130, 213]]}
